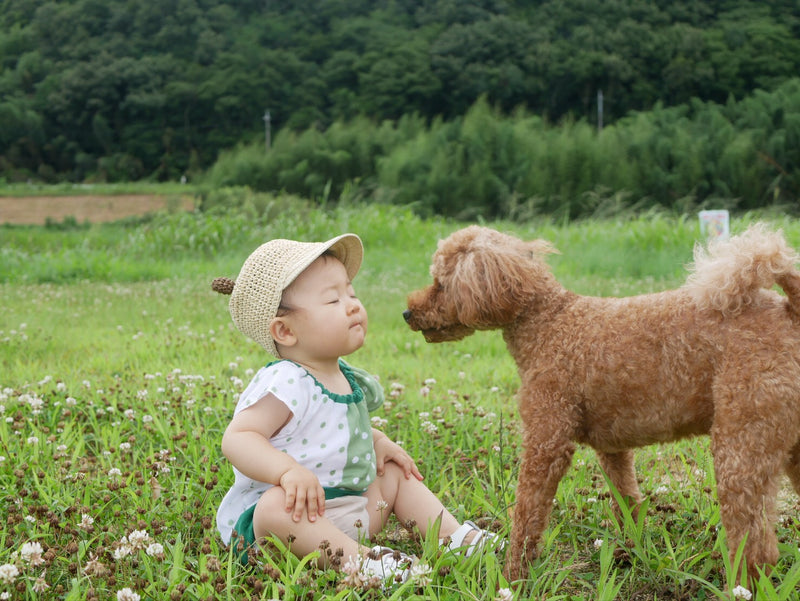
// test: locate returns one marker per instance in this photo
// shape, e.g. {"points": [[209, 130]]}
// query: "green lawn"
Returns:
{"points": [[119, 370]]}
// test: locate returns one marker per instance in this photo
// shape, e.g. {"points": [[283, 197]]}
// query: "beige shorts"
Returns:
{"points": [[349, 514]]}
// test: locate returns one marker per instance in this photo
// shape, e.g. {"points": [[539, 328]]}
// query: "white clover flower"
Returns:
{"points": [[429, 428], [138, 539], [155, 550], [125, 446], [32, 553], [129, 413], [504, 594], [420, 573], [70, 401], [430, 381], [742, 593], [661, 490], [33, 440], [353, 576], [86, 521], [114, 471], [61, 387], [40, 584], [598, 542], [8, 572], [424, 391], [379, 422], [382, 505], [127, 594], [122, 551]]}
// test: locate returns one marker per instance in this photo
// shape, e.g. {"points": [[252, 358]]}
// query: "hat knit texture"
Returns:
{"points": [[269, 270]]}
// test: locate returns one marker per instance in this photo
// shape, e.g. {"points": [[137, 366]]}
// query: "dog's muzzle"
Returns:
{"points": [[407, 315]]}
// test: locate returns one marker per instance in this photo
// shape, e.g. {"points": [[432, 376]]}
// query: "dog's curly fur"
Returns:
{"points": [[719, 356]]}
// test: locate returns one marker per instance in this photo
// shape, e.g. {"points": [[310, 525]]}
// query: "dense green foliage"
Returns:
{"points": [[125, 89], [740, 155]]}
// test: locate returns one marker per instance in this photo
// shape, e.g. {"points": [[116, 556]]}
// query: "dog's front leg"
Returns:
{"points": [[547, 454]]}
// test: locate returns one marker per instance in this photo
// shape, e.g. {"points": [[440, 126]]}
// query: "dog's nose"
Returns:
{"points": [[406, 315]]}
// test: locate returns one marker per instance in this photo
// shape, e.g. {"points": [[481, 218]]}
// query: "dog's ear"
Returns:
{"points": [[497, 278]]}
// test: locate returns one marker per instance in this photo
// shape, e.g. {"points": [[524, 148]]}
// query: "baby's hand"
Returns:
{"points": [[387, 450], [303, 491]]}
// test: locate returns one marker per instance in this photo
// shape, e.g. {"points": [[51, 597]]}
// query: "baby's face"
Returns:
{"points": [[324, 311]]}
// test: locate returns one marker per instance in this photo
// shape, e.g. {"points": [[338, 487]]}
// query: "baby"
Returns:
{"points": [[308, 466]]}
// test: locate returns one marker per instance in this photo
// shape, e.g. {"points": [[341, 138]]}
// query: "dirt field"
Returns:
{"points": [[35, 210]]}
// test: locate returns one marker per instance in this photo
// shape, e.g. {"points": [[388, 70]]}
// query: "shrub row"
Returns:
{"points": [[742, 155]]}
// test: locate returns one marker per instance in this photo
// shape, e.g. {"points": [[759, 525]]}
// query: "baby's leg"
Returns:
{"points": [[271, 518], [409, 499]]}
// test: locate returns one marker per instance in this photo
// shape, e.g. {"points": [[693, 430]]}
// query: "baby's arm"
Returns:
{"points": [[246, 445], [387, 450]]}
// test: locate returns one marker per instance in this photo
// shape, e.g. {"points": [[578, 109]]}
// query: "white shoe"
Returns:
{"points": [[386, 563], [482, 539]]}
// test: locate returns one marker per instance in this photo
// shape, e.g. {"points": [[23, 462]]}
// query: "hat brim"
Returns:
{"points": [[347, 248]]}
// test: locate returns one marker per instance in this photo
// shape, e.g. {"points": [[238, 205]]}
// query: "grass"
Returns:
{"points": [[119, 370]]}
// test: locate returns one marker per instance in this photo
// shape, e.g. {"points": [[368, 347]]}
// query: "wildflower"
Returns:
{"points": [[86, 522], [8, 572], [598, 543], [504, 594], [70, 401], [429, 428], [155, 550], [127, 594], [114, 471], [40, 585], [32, 553], [742, 593], [122, 551], [662, 490], [379, 422], [382, 505], [424, 391], [125, 446], [94, 567], [352, 571], [420, 573], [138, 539], [33, 440], [129, 413]]}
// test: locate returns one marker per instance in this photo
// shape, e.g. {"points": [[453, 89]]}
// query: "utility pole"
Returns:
{"points": [[267, 131], [599, 110]]}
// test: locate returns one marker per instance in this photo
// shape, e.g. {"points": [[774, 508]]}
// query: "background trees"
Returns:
{"points": [[128, 89]]}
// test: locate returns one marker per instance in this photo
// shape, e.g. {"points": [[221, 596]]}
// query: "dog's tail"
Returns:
{"points": [[730, 275]]}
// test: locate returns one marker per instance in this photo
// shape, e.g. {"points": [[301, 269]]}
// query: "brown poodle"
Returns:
{"points": [[719, 356]]}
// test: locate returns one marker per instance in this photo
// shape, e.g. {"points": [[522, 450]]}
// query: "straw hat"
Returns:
{"points": [[256, 293]]}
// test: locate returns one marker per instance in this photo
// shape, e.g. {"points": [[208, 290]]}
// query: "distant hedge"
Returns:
{"points": [[742, 155]]}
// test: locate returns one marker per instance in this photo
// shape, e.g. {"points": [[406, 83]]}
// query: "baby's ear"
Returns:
{"points": [[281, 332]]}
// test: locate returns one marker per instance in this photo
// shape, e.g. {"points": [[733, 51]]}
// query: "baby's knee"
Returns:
{"points": [[270, 513]]}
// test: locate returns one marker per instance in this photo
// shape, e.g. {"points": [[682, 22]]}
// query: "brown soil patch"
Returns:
{"points": [[35, 210]]}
